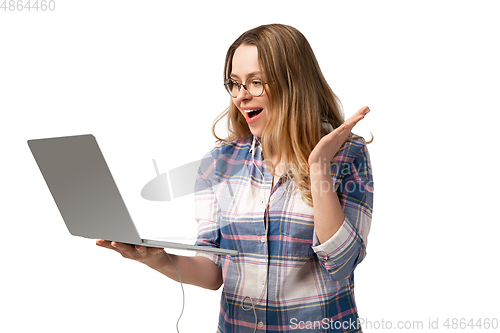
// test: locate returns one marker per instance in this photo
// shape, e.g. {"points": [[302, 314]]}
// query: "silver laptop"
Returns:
{"points": [[87, 196]]}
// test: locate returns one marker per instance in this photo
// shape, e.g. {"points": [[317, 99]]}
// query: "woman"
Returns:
{"points": [[290, 189]]}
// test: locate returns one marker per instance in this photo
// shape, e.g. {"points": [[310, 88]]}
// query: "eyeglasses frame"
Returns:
{"points": [[239, 85]]}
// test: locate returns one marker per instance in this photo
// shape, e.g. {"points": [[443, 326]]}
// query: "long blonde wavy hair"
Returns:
{"points": [[302, 101]]}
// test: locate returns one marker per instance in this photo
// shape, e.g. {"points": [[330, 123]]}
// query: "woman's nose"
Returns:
{"points": [[243, 94]]}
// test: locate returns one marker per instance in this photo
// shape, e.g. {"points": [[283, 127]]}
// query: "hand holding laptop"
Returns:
{"points": [[196, 270], [143, 254]]}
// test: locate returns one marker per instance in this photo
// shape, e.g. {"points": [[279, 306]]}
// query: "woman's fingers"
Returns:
{"points": [[351, 122], [125, 250], [135, 252], [360, 114], [103, 243]]}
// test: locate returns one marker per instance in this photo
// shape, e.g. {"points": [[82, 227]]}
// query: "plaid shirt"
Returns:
{"points": [[282, 280]]}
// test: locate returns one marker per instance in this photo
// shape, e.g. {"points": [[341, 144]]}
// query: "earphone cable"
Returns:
{"points": [[183, 295]]}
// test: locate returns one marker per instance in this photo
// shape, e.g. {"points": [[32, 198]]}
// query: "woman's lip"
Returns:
{"points": [[254, 118]]}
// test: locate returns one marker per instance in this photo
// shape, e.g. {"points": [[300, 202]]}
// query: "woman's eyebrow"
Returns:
{"points": [[248, 75]]}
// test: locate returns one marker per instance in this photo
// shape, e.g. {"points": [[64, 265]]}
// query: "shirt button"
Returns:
{"points": [[263, 239], [261, 324], [263, 281]]}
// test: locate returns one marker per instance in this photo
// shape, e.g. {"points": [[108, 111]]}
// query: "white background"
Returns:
{"points": [[145, 77]]}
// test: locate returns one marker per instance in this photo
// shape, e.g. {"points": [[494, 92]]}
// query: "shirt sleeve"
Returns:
{"points": [[352, 177], [207, 210]]}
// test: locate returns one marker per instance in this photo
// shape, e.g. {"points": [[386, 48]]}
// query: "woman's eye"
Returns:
{"points": [[257, 83]]}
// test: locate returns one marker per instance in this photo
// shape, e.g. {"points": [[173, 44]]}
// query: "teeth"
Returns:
{"points": [[248, 111]]}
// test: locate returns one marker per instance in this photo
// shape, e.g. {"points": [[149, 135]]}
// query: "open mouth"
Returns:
{"points": [[253, 113]]}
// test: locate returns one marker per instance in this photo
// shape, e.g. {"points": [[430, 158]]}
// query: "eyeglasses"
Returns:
{"points": [[253, 85]]}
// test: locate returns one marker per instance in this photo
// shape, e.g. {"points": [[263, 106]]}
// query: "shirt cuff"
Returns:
{"points": [[339, 249]]}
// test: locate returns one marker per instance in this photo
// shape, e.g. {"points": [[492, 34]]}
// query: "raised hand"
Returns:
{"points": [[329, 145]]}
